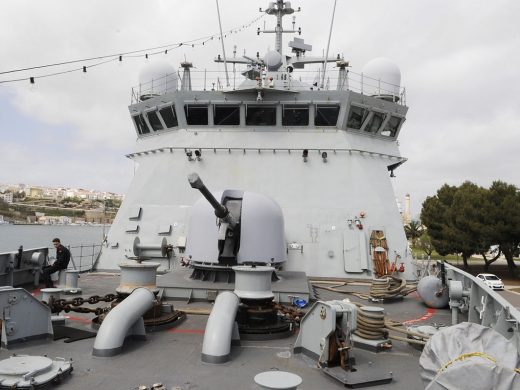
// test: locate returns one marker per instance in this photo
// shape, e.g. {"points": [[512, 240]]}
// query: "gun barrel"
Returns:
{"points": [[196, 182]]}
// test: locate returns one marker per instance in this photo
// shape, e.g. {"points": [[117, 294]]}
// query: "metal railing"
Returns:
{"points": [[83, 256], [299, 80]]}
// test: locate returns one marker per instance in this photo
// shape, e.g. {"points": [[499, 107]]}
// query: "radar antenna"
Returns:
{"points": [[280, 9]]}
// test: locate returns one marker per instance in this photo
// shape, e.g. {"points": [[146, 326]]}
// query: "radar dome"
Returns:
{"points": [[381, 78], [157, 78], [273, 60]]}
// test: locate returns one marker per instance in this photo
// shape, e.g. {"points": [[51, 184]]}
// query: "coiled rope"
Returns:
{"points": [[376, 326], [387, 287], [370, 324], [373, 325]]}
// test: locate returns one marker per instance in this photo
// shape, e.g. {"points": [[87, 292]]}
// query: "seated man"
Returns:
{"points": [[62, 262]]}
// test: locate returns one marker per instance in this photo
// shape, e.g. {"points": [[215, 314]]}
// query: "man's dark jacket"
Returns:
{"points": [[62, 257]]}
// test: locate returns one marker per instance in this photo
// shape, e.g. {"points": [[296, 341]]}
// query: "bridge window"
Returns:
{"points": [[168, 116], [326, 115], [375, 122], [295, 115], [356, 117], [154, 121], [392, 126], [261, 116], [226, 115], [142, 128], [196, 114]]}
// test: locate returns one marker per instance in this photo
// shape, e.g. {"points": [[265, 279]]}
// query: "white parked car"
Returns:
{"points": [[492, 281]]}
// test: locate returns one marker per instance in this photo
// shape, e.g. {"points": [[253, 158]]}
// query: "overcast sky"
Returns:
{"points": [[460, 64]]}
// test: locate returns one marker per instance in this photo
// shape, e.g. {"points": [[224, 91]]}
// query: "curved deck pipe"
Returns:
{"points": [[124, 320], [219, 329]]}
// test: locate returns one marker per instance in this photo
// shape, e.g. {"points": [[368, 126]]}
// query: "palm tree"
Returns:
{"points": [[413, 231]]}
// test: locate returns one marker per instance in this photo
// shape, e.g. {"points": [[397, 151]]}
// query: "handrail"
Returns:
{"points": [[299, 80], [80, 252], [265, 149]]}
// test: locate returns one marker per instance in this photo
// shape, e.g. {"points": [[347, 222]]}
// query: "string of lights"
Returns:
{"points": [[146, 53]]}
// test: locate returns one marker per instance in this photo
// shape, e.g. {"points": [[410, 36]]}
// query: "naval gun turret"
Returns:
{"points": [[249, 231], [229, 223]]}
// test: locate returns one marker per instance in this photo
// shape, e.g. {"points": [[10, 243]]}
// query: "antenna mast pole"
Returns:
{"points": [[328, 44], [223, 49], [279, 9]]}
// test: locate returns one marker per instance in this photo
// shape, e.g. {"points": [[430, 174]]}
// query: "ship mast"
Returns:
{"points": [[279, 9]]}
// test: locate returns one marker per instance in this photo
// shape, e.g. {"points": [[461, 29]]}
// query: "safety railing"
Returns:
{"points": [[83, 256], [299, 80]]}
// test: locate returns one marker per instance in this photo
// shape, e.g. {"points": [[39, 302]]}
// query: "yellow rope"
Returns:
{"points": [[468, 355], [471, 354]]}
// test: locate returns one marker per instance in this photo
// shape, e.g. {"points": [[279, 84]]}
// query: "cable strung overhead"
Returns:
{"points": [[119, 56]]}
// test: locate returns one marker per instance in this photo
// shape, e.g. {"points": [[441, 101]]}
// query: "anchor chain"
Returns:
{"points": [[290, 313], [75, 303]]}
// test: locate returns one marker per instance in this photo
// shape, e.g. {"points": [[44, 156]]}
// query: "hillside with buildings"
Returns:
{"points": [[23, 203]]}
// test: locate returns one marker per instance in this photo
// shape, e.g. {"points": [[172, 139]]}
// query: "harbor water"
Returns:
{"points": [[84, 242]]}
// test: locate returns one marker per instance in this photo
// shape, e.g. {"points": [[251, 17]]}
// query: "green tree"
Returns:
{"points": [[413, 231], [434, 215], [504, 229], [455, 220], [112, 203], [468, 220], [3, 205], [495, 254], [19, 195], [425, 243]]}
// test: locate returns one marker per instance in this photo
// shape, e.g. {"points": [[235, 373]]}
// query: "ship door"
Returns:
{"points": [[379, 248], [355, 250]]}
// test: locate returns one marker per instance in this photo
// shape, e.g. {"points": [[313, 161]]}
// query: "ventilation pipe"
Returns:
{"points": [[220, 328], [124, 320]]}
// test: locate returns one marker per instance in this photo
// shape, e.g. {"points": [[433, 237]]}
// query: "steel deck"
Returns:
{"points": [[172, 356]]}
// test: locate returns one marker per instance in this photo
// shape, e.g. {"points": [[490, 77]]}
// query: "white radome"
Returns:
{"points": [[384, 70], [273, 60], [157, 78]]}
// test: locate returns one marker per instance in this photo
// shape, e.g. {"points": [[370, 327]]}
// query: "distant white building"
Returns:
{"points": [[55, 193], [7, 197], [63, 220]]}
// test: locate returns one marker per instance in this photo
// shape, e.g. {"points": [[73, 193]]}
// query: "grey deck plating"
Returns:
{"points": [[172, 356]]}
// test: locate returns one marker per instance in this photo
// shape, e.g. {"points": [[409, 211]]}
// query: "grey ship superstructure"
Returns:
{"points": [[323, 150]]}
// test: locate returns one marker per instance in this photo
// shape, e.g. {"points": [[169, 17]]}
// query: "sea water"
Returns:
{"points": [[37, 236]]}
